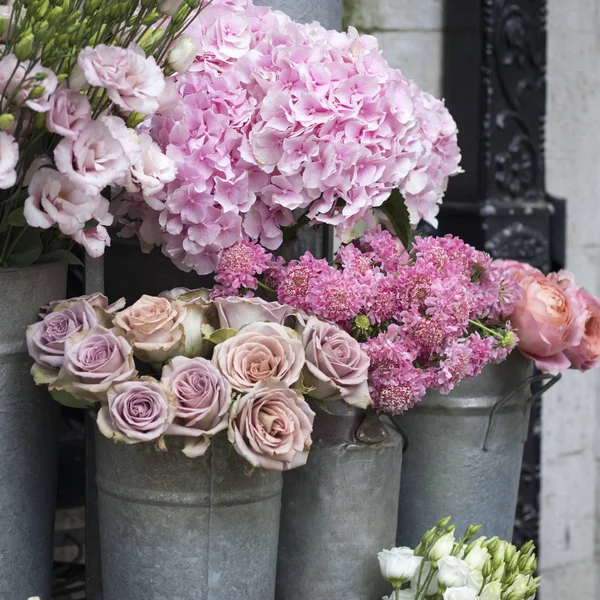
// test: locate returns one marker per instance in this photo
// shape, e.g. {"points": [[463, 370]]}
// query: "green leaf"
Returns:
{"points": [[61, 256], [27, 249], [16, 218], [395, 210], [66, 399], [221, 335], [321, 404]]}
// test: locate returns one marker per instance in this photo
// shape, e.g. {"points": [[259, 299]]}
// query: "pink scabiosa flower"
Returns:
{"points": [[296, 279], [383, 249], [239, 266]]}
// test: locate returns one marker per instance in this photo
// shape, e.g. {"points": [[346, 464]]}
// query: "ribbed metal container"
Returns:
{"points": [[327, 12], [28, 438], [465, 453], [175, 528], [340, 510]]}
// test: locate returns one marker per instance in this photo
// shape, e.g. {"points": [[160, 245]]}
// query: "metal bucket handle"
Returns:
{"points": [[371, 430], [552, 379]]}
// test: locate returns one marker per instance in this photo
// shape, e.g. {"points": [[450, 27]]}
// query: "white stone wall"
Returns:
{"points": [[571, 414], [410, 34]]}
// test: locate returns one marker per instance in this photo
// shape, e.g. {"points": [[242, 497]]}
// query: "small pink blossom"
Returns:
{"points": [[94, 240]]}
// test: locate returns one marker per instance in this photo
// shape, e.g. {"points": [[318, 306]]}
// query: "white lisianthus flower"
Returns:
{"points": [[398, 565], [460, 593], [443, 547], [432, 590], [453, 572], [408, 594], [492, 591], [518, 590], [182, 54], [477, 556], [169, 7], [475, 580]]}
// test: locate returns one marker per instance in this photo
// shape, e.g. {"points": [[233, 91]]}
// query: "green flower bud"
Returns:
{"points": [[151, 17], [362, 322], [63, 41], [134, 119], [42, 9], [498, 573], [531, 566], [3, 26], [508, 340], [444, 523], [62, 77], [487, 569], [6, 121], [55, 15], [513, 564], [509, 552], [492, 544], [40, 121], [24, 47], [36, 92], [41, 30], [193, 4], [528, 548], [91, 6]]}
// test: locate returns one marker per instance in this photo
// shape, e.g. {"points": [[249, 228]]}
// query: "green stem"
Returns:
{"points": [[481, 326], [397, 593], [264, 286]]}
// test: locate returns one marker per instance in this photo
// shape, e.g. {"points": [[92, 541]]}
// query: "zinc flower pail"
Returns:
{"points": [[28, 438], [328, 14], [465, 452], [340, 509], [177, 528]]}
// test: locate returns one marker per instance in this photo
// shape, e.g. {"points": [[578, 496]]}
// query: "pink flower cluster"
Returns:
{"points": [[230, 365], [278, 118], [558, 323], [87, 153], [427, 319]]}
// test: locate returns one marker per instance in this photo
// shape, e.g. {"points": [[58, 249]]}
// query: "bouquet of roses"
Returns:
{"points": [[281, 124], [182, 365], [443, 568], [75, 79], [557, 321], [428, 318]]}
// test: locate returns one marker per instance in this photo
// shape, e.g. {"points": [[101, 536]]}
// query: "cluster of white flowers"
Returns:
{"points": [[442, 568]]}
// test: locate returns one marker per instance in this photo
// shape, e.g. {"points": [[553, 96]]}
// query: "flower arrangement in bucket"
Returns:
{"points": [[186, 366], [444, 568], [77, 77]]}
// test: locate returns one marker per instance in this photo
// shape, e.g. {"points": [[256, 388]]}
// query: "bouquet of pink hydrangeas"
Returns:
{"points": [[75, 79], [184, 366], [558, 322], [280, 124], [428, 318]]}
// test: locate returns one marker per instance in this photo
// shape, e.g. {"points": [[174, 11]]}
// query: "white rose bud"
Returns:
{"points": [[453, 572], [492, 591], [460, 593], [169, 7], [477, 557], [182, 54], [518, 590], [443, 547], [398, 565]]}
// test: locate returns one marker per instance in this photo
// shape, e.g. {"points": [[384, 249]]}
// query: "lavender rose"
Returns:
{"points": [[95, 360], [271, 426], [138, 411], [260, 352], [154, 327], [235, 313], [46, 339], [336, 366], [203, 399]]}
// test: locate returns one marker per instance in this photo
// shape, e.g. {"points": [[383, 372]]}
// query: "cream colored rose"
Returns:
{"points": [[154, 327], [258, 353]]}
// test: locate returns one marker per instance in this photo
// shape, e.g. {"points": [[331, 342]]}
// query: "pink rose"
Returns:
{"points": [[235, 313], [138, 411], [46, 339], [203, 399], [271, 427], [336, 365], [154, 327], [9, 157], [95, 360], [260, 352], [69, 113], [56, 200], [586, 355], [548, 320], [95, 300], [133, 81], [93, 160]]}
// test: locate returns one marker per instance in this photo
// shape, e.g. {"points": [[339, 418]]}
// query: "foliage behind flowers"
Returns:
{"points": [[443, 568], [284, 124], [427, 319], [74, 76], [182, 365]]}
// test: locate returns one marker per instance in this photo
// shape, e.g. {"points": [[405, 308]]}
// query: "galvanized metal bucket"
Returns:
{"points": [[465, 452], [340, 510], [175, 528], [28, 438], [328, 12]]}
